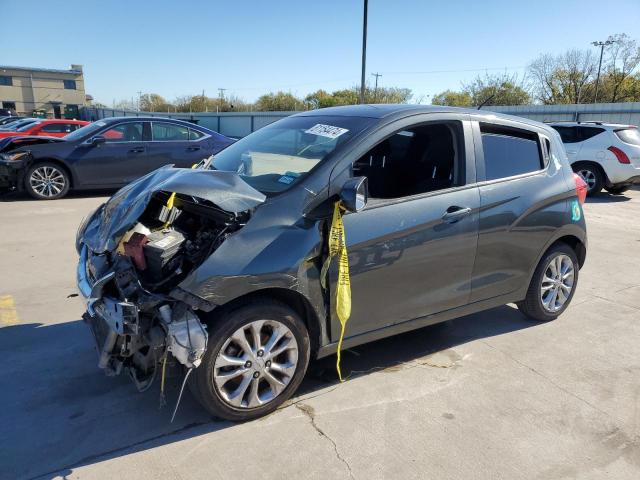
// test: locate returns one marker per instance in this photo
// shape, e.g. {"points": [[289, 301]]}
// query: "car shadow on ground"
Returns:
{"points": [[604, 197], [23, 196], [57, 402]]}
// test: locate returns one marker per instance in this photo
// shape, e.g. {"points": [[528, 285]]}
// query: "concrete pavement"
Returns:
{"points": [[490, 395]]}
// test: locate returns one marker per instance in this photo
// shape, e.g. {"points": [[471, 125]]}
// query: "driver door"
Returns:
{"points": [[116, 162], [411, 256]]}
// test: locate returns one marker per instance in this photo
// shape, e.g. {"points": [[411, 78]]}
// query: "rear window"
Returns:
{"points": [[509, 152], [629, 135]]}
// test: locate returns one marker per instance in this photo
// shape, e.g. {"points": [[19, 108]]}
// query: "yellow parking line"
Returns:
{"points": [[8, 313]]}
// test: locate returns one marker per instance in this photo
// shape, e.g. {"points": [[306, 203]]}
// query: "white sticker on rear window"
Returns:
{"points": [[328, 131]]}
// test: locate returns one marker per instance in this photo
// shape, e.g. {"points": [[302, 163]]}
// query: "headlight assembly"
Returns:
{"points": [[12, 157]]}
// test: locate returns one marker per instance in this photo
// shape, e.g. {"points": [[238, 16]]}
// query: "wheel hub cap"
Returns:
{"points": [[255, 364], [557, 283], [589, 178], [47, 181]]}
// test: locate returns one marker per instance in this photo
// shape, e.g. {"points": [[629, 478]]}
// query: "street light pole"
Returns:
{"points": [[601, 45], [364, 50]]}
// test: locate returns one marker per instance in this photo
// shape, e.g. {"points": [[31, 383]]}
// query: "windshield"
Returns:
{"points": [[86, 131], [275, 157], [26, 126]]}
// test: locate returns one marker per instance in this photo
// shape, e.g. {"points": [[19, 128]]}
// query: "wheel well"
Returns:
{"points": [[56, 162], [576, 245], [595, 165], [294, 300]]}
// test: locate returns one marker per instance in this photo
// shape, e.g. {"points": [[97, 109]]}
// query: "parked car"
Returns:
{"points": [[603, 154], [14, 125], [50, 128], [448, 212], [8, 120], [106, 154]]}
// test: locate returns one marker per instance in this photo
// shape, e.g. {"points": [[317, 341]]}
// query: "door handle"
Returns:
{"points": [[193, 149], [137, 150], [455, 213]]}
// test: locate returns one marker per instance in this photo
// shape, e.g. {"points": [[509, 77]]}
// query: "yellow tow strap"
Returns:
{"points": [[338, 247], [172, 197]]}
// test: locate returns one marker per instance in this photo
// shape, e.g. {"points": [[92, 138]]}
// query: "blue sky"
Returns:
{"points": [[250, 47]]}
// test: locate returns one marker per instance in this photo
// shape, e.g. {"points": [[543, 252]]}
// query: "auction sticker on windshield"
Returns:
{"points": [[328, 131]]}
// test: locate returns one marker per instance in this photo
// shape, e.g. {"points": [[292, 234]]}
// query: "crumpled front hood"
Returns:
{"points": [[225, 189]]}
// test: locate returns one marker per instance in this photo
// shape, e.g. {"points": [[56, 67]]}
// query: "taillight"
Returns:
{"points": [[620, 155], [581, 188]]}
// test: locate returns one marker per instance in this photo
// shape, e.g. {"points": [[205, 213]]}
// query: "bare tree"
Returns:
{"points": [[563, 78], [623, 57]]}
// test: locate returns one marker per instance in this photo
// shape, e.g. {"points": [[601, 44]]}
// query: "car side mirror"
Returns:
{"points": [[355, 193], [97, 140]]}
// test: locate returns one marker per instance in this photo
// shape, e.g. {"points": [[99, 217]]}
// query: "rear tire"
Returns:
{"points": [[616, 190], [47, 181], [266, 378], [540, 304], [592, 176]]}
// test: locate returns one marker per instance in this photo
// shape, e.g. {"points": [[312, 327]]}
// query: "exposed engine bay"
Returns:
{"points": [[135, 320]]}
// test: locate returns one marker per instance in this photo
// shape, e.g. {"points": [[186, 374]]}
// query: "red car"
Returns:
{"points": [[47, 128]]}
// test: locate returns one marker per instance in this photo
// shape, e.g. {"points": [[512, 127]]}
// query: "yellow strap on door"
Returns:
{"points": [[338, 247]]}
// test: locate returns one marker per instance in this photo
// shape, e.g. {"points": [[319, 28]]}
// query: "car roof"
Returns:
{"points": [[61, 120], [381, 111], [590, 124], [146, 119]]}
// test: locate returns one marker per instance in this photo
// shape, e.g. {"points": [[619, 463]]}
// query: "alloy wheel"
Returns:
{"points": [[589, 177], [255, 364], [47, 181], [557, 283]]}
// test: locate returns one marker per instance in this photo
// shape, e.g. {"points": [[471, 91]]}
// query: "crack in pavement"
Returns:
{"points": [[309, 412]]}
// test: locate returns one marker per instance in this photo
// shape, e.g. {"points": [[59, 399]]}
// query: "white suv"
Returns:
{"points": [[603, 154]]}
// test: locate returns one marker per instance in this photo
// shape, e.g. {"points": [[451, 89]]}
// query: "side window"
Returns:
{"points": [[168, 132], [195, 134], [53, 128], [585, 133], [125, 132], [509, 152], [417, 160], [567, 134]]}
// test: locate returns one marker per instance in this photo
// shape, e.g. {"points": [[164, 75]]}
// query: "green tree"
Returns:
{"points": [[152, 102], [452, 99], [279, 101], [498, 89]]}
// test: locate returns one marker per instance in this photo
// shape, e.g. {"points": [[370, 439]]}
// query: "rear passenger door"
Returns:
{"points": [[571, 140], [522, 203], [176, 144]]}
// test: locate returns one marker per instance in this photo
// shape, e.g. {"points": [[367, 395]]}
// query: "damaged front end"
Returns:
{"points": [[134, 252]]}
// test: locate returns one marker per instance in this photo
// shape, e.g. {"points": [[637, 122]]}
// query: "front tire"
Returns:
{"points": [[552, 285], [256, 358], [591, 175], [47, 181]]}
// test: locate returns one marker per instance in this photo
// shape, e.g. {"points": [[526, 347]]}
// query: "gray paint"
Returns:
{"points": [[423, 270]]}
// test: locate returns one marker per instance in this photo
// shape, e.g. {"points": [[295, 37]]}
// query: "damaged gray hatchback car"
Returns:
{"points": [[448, 212]]}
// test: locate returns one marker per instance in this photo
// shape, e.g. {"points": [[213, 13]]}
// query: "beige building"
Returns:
{"points": [[57, 93]]}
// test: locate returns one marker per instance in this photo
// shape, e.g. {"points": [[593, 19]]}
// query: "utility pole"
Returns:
{"points": [[601, 45], [375, 90], [364, 50], [139, 99], [221, 95]]}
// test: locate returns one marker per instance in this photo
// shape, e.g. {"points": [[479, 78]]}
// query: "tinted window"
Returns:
{"points": [[506, 155], [422, 159], [195, 134], [126, 132], [585, 133], [629, 135], [69, 84], [568, 134], [56, 128], [167, 132], [5, 80]]}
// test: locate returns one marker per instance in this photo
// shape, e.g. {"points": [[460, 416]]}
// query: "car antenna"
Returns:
{"points": [[486, 100]]}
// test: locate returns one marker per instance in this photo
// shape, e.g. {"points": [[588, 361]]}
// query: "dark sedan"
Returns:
{"points": [[106, 154]]}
